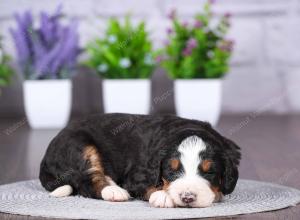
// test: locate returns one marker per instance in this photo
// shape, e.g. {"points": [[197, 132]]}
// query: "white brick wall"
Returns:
{"points": [[266, 60]]}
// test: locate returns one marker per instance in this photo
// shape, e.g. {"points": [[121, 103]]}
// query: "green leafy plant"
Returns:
{"points": [[125, 52], [197, 50], [5, 70]]}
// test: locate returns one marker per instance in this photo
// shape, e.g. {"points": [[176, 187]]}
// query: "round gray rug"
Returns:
{"points": [[29, 198]]}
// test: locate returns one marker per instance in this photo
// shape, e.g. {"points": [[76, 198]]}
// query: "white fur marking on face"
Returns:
{"points": [[190, 181], [190, 149]]}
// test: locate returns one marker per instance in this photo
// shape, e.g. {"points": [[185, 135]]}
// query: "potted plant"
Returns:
{"points": [[5, 69], [124, 59], [46, 57], [196, 56]]}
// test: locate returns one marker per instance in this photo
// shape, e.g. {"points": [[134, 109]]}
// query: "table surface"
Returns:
{"points": [[270, 152]]}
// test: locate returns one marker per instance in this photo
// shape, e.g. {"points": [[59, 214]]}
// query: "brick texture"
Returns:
{"points": [[266, 59]]}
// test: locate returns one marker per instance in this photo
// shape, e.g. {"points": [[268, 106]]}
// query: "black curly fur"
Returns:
{"points": [[134, 150]]}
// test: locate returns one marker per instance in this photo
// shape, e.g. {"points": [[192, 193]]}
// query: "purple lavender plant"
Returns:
{"points": [[47, 52]]}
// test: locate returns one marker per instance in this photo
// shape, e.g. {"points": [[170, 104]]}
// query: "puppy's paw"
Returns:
{"points": [[205, 201], [161, 199], [114, 194]]}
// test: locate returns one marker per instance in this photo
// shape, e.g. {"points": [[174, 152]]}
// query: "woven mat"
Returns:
{"points": [[29, 198]]}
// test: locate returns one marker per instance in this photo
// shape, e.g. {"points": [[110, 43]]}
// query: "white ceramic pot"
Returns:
{"points": [[47, 102], [199, 99], [126, 96]]}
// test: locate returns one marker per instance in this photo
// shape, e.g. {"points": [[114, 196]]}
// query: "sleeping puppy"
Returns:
{"points": [[170, 161]]}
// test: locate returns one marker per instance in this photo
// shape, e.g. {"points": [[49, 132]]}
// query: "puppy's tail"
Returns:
{"points": [[62, 191]]}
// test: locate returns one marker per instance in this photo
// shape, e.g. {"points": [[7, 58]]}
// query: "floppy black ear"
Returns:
{"points": [[231, 156]]}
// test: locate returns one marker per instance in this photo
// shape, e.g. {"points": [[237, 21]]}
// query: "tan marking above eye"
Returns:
{"points": [[175, 164], [205, 165]]}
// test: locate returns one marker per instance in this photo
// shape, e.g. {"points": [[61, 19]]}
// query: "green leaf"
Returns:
{"points": [[132, 42]]}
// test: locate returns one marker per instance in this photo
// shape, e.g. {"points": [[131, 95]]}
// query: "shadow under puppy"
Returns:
{"points": [[167, 160]]}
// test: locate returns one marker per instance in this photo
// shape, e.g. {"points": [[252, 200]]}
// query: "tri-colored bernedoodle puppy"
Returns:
{"points": [[170, 161]]}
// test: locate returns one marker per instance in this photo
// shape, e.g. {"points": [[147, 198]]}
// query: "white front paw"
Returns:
{"points": [[114, 194], [161, 199]]}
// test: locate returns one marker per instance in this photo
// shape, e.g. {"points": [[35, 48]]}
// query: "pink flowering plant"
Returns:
{"points": [[198, 49]]}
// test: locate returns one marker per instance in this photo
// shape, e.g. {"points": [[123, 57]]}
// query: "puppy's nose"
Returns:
{"points": [[188, 197]]}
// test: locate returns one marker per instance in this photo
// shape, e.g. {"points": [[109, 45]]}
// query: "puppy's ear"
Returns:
{"points": [[230, 174]]}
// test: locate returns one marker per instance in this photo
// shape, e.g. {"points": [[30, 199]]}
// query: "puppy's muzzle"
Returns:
{"points": [[188, 197]]}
